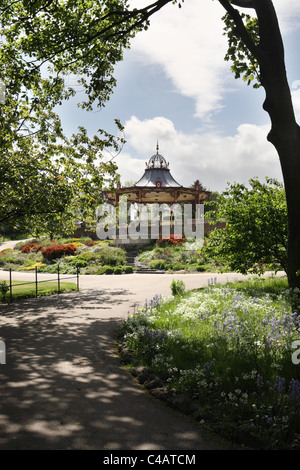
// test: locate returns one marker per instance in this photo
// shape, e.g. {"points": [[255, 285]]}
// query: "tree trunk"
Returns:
{"points": [[290, 163], [287, 144], [285, 132]]}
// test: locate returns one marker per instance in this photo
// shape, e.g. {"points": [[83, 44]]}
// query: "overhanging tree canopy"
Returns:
{"points": [[43, 173]]}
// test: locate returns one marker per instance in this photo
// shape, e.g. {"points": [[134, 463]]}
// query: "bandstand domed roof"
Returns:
{"points": [[157, 185], [157, 174], [157, 161]]}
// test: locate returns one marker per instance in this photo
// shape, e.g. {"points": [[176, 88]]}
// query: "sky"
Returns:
{"points": [[174, 88]]}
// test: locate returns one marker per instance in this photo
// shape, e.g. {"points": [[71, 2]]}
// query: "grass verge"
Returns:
{"points": [[26, 290]]}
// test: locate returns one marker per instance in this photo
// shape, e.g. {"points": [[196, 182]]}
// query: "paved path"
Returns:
{"points": [[63, 387], [12, 243]]}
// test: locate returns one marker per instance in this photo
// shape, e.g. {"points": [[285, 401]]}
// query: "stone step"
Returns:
{"points": [[131, 260]]}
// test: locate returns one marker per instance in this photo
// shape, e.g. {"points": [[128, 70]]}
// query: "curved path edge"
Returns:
{"points": [[63, 386]]}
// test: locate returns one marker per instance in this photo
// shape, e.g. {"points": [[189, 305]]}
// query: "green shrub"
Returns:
{"points": [[128, 269], [118, 270], [203, 267], [80, 263], [6, 259], [158, 251], [177, 287], [192, 267], [77, 261], [158, 264], [49, 269], [108, 270], [88, 256], [101, 270], [111, 256], [177, 266], [67, 269], [146, 256], [28, 260], [4, 288]]}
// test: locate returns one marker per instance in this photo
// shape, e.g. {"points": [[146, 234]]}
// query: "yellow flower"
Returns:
{"points": [[36, 265]]}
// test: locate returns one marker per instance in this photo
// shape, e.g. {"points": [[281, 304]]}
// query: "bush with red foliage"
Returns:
{"points": [[57, 251], [26, 249], [90, 243], [31, 247], [170, 241]]}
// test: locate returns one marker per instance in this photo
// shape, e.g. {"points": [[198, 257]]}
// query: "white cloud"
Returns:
{"points": [[213, 159], [288, 12], [296, 100], [131, 169], [190, 47]]}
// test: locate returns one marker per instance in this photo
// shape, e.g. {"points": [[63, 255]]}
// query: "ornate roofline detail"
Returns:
{"points": [[157, 161], [158, 185]]}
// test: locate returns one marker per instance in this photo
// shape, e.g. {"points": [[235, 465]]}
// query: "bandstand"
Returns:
{"points": [[157, 186]]}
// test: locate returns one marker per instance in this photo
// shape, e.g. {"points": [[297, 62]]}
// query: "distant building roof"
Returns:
{"points": [[158, 185], [157, 174]]}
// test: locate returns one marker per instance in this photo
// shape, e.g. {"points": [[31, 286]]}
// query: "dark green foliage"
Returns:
{"points": [[256, 227], [46, 176], [128, 269]]}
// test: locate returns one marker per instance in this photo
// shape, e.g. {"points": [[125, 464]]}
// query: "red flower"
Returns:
{"points": [[57, 251]]}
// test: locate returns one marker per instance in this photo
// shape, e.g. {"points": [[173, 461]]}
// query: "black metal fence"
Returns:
{"points": [[36, 281]]}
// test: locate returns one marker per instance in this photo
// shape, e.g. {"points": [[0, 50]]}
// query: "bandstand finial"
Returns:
{"points": [[157, 147]]}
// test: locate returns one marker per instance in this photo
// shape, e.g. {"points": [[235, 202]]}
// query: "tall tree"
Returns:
{"points": [[44, 174], [262, 41]]}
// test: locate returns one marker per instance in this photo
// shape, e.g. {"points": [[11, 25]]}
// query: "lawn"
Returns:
{"points": [[23, 289], [231, 349]]}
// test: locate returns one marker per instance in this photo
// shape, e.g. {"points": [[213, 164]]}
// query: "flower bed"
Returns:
{"points": [[89, 256], [230, 349]]}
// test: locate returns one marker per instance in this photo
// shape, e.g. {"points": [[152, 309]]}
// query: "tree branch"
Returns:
{"points": [[243, 3], [270, 35], [240, 28]]}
